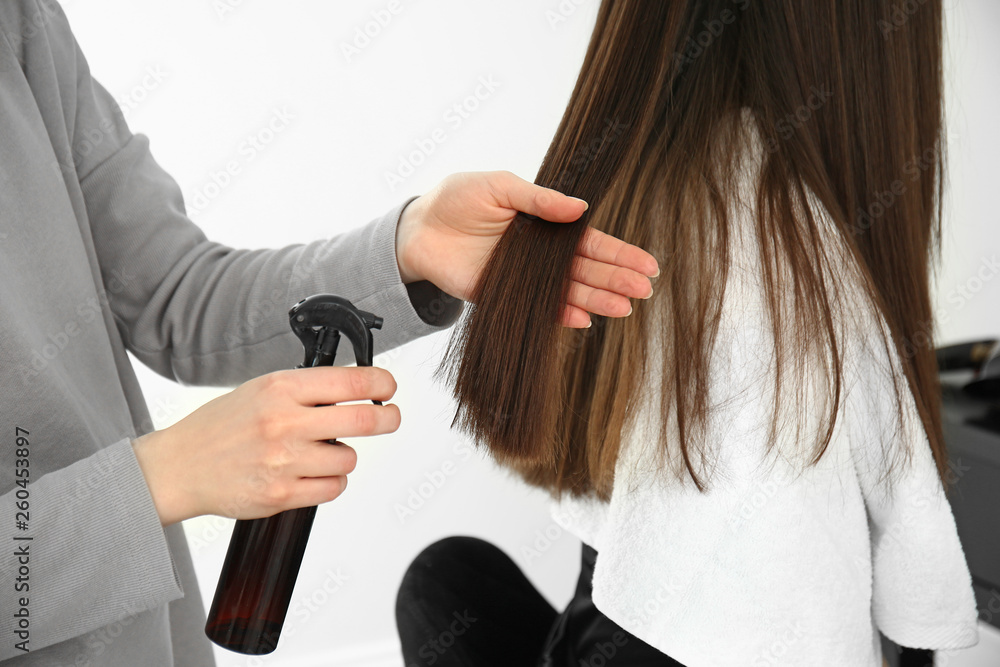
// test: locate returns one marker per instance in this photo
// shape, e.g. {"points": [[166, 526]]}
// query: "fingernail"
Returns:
{"points": [[650, 293], [585, 204], [657, 272], [629, 310], [589, 324]]}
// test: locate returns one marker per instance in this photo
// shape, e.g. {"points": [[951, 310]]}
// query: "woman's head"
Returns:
{"points": [[845, 98]]}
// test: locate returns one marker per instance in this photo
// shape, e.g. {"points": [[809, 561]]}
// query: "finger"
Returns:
{"points": [[328, 422], [602, 247], [597, 301], [323, 459], [574, 317], [321, 385], [611, 278], [515, 193], [311, 491]]}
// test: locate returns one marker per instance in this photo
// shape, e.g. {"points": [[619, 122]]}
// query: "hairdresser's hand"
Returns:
{"points": [[261, 449], [445, 235]]}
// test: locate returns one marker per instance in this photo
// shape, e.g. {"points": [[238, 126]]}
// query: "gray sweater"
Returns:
{"points": [[97, 257]]}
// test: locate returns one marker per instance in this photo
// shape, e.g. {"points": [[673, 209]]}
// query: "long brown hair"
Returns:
{"points": [[846, 96]]}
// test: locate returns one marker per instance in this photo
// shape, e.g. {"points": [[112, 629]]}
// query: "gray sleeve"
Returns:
{"points": [[97, 555], [203, 313]]}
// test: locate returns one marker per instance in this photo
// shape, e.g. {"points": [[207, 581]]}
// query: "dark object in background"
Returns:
{"points": [[264, 554], [962, 356], [971, 420], [980, 363], [898, 656]]}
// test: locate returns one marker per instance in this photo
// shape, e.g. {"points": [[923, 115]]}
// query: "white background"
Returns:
{"points": [[200, 77]]}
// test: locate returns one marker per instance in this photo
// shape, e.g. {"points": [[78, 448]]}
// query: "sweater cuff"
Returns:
{"points": [[103, 553], [137, 511], [420, 308]]}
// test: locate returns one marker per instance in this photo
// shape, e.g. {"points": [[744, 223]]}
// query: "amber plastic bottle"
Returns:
{"points": [[262, 564], [257, 579]]}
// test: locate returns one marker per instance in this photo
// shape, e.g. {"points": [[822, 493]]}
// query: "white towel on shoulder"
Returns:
{"points": [[779, 564]]}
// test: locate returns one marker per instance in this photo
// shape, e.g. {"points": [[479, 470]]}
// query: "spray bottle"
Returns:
{"points": [[264, 555]]}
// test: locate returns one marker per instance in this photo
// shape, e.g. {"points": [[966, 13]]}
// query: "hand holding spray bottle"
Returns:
{"points": [[264, 555]]}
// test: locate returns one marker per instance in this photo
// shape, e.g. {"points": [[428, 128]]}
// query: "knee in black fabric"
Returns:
{"points": [[438, 601], [446, 564], [461, 548], [463, 601]]}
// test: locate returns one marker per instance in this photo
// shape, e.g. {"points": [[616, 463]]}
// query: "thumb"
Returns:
{"points": [[517, 194]]}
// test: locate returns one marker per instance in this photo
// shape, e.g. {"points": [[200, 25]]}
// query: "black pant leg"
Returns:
{"points": [[464, 602]]}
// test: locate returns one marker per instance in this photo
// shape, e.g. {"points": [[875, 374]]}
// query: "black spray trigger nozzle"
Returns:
{"points": [[319, 320]]}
